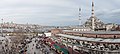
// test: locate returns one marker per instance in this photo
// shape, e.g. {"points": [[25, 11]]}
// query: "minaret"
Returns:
{"points": [[79, 16], [93, 16], [93, 8]]}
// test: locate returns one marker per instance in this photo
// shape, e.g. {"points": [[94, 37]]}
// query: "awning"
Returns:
{"points": [[57, 47], [65, 51]]}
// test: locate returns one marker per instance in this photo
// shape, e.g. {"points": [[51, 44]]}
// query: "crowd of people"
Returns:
{"points": [[93, 47]]}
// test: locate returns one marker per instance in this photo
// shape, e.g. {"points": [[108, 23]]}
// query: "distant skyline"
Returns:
{"points": [[58, 12]]}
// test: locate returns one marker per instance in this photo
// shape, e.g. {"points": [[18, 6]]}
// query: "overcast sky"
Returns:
{"points": [[58, 12]]}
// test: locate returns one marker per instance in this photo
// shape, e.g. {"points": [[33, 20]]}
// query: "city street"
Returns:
{"points": [[35, 46], [31, 48], [42, 48]]}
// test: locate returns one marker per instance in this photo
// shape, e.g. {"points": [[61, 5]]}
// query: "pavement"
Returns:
{"points": [[31, 49], [4, 40]]}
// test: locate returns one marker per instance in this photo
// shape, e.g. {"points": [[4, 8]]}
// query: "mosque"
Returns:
{"points": [[94, 23], [94, 37]]}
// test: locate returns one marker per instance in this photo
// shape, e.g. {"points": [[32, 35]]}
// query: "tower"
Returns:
{"points": [[93, 16], [79, 16], [93, 8]]}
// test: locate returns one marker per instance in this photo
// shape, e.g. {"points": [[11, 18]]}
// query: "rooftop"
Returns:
{"points": [[90, 39], [94, 32]]}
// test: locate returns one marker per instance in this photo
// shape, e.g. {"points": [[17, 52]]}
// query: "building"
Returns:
{"points": [[82, 29], [90, 42], [93, 22], [111, 26], [89, 39], [117, 28], [55, 31]]}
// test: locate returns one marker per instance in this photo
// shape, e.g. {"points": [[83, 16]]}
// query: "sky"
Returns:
{"points": [[58, 12]]}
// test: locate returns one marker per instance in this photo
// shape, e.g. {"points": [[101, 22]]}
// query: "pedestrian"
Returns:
{"points": [[33, 44], [34, 52]]}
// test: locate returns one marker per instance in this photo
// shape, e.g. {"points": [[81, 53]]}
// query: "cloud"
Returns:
{"points": [[56, 12]]}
